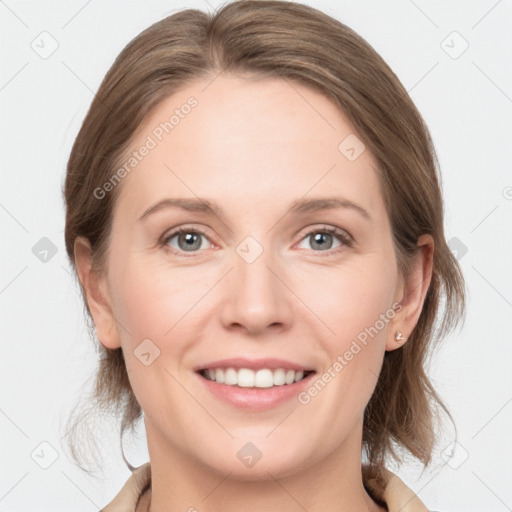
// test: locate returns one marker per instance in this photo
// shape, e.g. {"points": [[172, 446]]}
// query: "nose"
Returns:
{"points": [[257, 297]]}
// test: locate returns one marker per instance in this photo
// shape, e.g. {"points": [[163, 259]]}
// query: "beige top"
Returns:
{"points": [[390, 492]]}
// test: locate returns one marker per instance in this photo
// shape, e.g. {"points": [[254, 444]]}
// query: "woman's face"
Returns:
{"points": [[253, 278]]}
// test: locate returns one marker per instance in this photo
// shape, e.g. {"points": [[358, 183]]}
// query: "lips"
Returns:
{"points": [[255, 393], [254, 364]]}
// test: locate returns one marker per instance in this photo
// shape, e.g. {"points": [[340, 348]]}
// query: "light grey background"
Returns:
{"points": [[47, 358]]}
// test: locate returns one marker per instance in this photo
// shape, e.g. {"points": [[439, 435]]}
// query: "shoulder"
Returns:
{"points": [[388, 489], [127, 498]]}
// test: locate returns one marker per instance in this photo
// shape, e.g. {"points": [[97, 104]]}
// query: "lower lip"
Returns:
{"points": [[256, 399]]}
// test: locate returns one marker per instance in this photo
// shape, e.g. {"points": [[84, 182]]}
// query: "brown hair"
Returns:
{"points": [[303, 45]]}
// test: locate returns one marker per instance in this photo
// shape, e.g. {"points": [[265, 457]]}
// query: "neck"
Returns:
{"points": [[181, 483]]}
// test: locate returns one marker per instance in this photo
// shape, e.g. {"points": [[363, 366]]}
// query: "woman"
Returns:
{"points": [[256, 222]]}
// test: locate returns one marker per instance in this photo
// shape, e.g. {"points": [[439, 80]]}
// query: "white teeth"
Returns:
{"points": [[219, 376], [246, 378], [230, 377]]}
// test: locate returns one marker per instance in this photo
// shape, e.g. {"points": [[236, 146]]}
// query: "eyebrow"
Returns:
{"points": [[298, 206]]}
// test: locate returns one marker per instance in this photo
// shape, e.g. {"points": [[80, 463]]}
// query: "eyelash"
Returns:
{"points": [[342, 236]]}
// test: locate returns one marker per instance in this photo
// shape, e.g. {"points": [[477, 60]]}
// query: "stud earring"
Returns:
{"points": [[399, 337]]}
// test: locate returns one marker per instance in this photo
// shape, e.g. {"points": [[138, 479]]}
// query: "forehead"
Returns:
{"points": [[250, 140]]}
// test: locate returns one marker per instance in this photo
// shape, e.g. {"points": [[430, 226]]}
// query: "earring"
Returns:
{"points": [[399, 337]]}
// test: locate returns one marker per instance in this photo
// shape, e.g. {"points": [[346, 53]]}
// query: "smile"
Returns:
{"points": [[247, 378], [255, 390]]}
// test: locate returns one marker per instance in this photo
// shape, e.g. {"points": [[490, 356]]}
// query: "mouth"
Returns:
{"points": [[255, 390], [249, 378]]}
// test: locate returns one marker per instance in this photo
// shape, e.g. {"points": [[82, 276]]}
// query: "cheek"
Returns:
{"points": [[153, 300], [355, 304], [156, 303], [353, 296], [351, 301]]}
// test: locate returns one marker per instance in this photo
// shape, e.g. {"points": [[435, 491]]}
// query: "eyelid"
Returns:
{"points": [[171, 233], [321, 228], [344, 237]]}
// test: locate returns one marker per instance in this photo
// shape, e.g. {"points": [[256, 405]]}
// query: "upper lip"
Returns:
{"points": [[253, 364]]}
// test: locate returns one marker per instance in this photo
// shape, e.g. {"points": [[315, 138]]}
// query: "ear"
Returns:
{"points": [[97, 295], [413, 292]]}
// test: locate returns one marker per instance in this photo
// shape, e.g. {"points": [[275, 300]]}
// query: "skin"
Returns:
{"points": [[253, 146]]}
